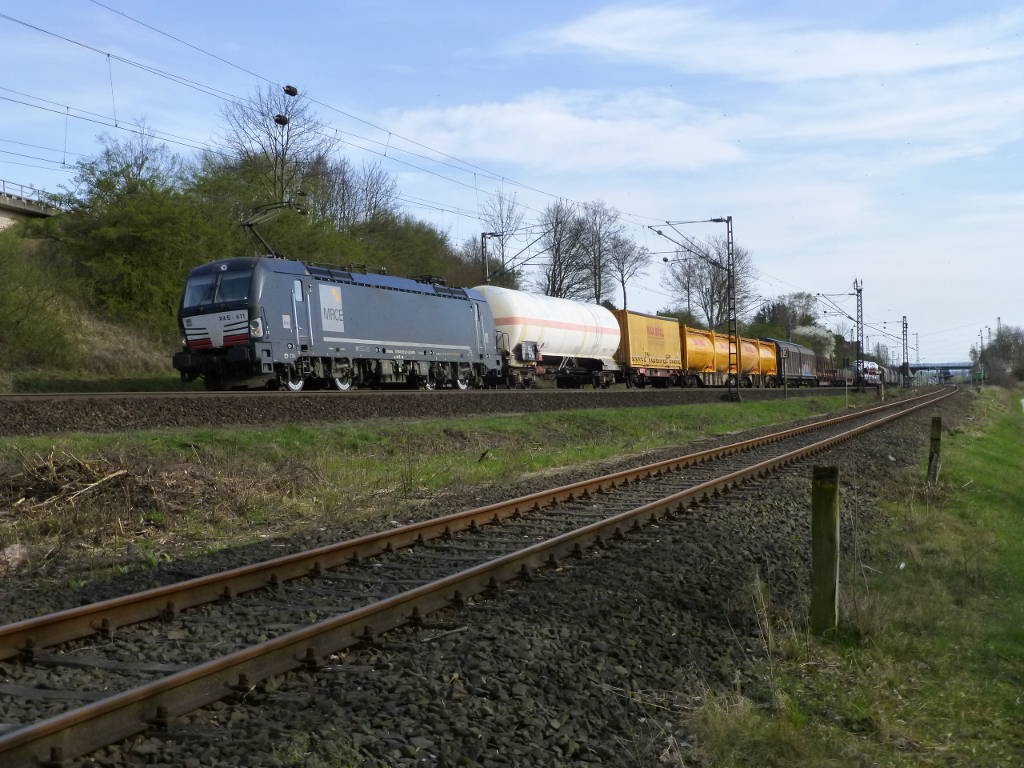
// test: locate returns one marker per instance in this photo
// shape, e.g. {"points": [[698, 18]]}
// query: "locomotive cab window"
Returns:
{"points": [[217, 288]]}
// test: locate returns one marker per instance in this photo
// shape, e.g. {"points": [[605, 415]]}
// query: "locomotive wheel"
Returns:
{"points": [[342, 383], [294, 382]]}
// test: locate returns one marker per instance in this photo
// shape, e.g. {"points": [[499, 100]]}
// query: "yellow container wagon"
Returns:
{"points": [[706, 359], [649, 349]]}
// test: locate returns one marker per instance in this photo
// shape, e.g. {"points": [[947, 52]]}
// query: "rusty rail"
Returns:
{"points": [[34, 634], [89, 727]]}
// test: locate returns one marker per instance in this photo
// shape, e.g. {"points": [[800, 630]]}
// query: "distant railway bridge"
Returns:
{"points": [[20, 201], [941, 366]]}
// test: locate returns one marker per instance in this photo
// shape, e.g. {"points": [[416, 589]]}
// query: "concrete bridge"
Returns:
{"points": [[20, 201], [941, 366]]}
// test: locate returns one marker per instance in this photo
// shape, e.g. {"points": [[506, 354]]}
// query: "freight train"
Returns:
{"points": [[278, 323]]}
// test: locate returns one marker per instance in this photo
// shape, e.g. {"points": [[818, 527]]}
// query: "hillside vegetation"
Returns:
{"points": [[93, 291]]}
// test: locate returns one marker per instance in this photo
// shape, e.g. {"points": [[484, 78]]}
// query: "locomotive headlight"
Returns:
{"points": [[256, 328]]}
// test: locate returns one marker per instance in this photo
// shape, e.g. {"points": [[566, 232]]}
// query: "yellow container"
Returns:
{"points": [[750, 358], [708, 352], [698, 349], [648, 341], [722, 348], [769, 364]]}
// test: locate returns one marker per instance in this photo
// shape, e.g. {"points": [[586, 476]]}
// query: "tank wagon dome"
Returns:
{"points": [[561, 327]]}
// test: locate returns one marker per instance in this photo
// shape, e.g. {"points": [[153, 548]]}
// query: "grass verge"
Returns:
{"points": [[158, 495], [927, 668]]}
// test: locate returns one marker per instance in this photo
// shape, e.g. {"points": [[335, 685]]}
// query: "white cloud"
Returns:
{"points": [[703, 40], [574, 131]]}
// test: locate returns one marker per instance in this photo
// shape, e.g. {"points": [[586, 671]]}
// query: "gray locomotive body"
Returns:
{"points": [[264, 321]]}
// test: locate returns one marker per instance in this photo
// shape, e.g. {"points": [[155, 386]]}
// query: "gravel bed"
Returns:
{"points": [[580, 667], [35, 415], [215, 629]]}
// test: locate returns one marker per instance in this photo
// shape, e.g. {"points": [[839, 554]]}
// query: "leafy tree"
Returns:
{"points": [[789, 311], [1003, 358], [131, 232]]}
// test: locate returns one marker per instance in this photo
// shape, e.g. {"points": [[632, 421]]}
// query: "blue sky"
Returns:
{"points": [[873, 140]]}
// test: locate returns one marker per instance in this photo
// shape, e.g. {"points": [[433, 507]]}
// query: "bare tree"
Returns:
{"points": [[349, 196], [565, 272], [378, 191], [601, 224], [626, 260], [280, 133], [503, 216], [699, 277]]}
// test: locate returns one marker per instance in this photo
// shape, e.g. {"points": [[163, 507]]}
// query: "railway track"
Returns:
{"points": [[377, 393], [169, 650], [32, 414]]}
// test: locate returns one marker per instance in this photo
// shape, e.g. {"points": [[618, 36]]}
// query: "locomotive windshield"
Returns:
{"points": [[217, 288]]}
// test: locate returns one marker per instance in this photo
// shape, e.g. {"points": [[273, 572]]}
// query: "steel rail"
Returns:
{"points": [[30, 635], [154, 704]]}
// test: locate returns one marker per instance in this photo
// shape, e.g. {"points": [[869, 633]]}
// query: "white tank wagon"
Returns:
{"points": [[573, 341]]}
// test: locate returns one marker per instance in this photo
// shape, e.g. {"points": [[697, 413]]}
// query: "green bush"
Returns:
{"points": [[39, 323]]}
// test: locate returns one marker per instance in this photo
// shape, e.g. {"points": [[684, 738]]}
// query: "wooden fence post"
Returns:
{"points": [[824, 549], [934, 449]]}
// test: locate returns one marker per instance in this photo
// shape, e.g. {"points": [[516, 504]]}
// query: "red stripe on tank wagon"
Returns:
{"points": [[555, 324]]}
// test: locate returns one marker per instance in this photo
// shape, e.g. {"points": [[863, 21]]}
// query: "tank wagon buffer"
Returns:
{"points": [[273, 322]]}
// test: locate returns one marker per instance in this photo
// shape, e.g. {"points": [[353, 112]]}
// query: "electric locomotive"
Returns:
{"points": [[272, 322]]}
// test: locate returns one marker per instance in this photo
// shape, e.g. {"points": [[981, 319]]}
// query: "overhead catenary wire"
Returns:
{"points": [[122, 127], [234, 98], [31, 157], [33, 165], [469, 167], [39, 146]]}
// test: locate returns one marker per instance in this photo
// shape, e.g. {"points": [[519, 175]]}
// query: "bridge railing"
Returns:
{"points": [[24, 191]]}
